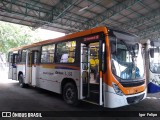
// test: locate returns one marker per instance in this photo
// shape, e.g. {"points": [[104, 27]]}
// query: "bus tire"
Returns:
{"points": [[21, 81], [70, 94]]}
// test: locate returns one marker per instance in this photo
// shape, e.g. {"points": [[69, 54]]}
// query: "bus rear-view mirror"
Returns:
{"points": [[113, 48], [136, 49], [151, 52]]}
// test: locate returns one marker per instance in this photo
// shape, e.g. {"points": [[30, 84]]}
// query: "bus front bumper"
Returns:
{"points": [[112, 100]]}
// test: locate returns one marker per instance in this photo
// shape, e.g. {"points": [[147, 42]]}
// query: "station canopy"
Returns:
{"points": [[141, 17]]}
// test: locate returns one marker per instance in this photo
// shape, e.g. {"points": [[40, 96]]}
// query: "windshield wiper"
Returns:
{"points": [[127, 47], [133, 68]]}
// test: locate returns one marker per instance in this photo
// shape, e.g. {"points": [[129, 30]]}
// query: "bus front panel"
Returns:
{"points": [[124, 80]]}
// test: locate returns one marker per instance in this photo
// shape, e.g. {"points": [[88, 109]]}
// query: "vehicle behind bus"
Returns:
{"points": [[153, 65]]}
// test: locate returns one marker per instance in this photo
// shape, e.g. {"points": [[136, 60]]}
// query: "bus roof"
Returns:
{"points": [[66, 37]]}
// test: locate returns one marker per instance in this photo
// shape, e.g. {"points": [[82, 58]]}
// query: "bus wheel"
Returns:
{"points": [[21, 82], [70, 94]]}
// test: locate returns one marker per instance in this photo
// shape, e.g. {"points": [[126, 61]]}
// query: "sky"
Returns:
{"points": [[48, 34]]}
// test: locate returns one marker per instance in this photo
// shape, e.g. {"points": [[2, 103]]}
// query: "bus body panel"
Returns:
{"points": [[50, 76], [112, 100], [10, 71], [12, 65], [27, 68], [14, 73], [34, 67], [153, 77], [34, 75], [47, 77], [153, 82]]}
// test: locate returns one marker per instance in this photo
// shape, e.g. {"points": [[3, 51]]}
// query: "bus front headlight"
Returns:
{"points": [[116, 89]]}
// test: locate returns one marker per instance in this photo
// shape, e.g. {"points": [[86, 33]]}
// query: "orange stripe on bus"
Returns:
{"points": [[53, 66], [100, 74]]}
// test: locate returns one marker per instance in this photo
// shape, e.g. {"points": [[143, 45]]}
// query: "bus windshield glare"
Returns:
{"points": [[126, 59], [155, 61]]}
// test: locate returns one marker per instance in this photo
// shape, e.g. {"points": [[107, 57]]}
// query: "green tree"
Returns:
{"points": [[12, 35]]}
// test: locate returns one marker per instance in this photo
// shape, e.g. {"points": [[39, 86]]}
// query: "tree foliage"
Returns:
{"points": [[12, 36]]}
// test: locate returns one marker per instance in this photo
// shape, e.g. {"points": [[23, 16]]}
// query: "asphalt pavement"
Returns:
{"points": [[16, 99]]}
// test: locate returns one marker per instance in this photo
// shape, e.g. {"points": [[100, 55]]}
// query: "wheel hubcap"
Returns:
{"points": [[69, 94]]}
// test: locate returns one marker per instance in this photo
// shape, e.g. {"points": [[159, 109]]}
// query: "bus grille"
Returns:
{"points": [[135, 99]]}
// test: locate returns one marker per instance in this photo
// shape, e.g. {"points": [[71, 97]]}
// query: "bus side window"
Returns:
{"points": [[10, 57], [23, 56], [47, 55], [15, 58], [19, 56], [66, 52]]}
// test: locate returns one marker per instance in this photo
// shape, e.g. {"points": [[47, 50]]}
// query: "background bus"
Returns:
{"points": [[100, 66], [153, 66]]}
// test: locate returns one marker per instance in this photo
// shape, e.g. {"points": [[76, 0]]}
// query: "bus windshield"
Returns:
{"points": [[155, 61], [126, 59]]}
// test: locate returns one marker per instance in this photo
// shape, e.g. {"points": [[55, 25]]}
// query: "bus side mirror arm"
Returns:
{"points": [[151, 52]]}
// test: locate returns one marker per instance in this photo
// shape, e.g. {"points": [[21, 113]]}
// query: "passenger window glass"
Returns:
{"points": [[47, 55], [23, 58], [10, 57], [66, 52], [15, 58], [19, 56]]}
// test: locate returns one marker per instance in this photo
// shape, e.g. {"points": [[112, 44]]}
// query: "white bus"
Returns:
{"points": [[153, 65], [100, 66]]}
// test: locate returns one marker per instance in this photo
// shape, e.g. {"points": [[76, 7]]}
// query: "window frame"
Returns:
{"points": [[10, 55], [76, 47], [42, 51], [20, 61]]}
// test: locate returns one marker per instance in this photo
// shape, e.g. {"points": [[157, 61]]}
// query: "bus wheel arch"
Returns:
{"points": [[20, 72], [21, 80], [69, 91]]}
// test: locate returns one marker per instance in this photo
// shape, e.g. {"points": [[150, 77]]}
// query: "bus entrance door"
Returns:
{"points": [[10, 69], [14, 67], [33, 66], [29, 67], [90, 79], [10, 61]]}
